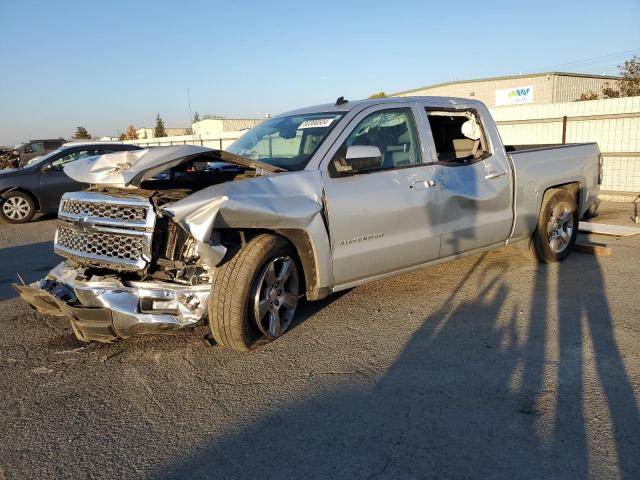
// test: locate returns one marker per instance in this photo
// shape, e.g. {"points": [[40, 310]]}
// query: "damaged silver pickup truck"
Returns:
{"points": [[307, 203]]}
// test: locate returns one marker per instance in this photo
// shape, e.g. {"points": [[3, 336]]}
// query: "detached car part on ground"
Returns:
{"points": [[306, 204]]}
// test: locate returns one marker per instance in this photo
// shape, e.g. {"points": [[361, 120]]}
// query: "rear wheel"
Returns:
{"points": [[17, 207], [254, 295], [557, 227]]}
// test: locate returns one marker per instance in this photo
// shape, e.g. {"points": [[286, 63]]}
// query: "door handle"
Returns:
{"points": [[422, 184], [492, 175]]}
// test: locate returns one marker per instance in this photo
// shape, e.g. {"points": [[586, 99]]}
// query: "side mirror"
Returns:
{"points": [[47, 168], [359, 158]]}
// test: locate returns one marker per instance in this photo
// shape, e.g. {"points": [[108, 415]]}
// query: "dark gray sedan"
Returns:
{"points": [[39, 185]]}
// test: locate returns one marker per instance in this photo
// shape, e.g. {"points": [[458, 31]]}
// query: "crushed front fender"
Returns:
{"points": [[286, 201]]}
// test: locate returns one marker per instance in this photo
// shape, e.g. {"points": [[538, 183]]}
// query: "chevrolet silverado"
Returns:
{"points": [[305, 204]]}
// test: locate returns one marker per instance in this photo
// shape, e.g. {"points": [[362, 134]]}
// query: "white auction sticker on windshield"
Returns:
{"points": [[317, 123]]}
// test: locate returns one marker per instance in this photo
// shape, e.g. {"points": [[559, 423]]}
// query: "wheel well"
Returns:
{"points": [[26, 192], [299, 240], [572, 187]]}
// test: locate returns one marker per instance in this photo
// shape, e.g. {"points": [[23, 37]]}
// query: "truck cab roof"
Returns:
{"points": [[352, 104]]}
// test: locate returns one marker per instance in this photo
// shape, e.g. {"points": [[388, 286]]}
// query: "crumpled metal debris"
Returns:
{"points": [[131, 168]]}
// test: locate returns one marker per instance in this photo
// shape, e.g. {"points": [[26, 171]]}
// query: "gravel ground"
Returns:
{"points": [[487, 367]]}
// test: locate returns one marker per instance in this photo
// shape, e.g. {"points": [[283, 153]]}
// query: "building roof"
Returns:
{"points": [[509, 77]]}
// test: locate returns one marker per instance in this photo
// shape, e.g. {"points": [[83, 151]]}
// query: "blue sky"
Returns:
{"points": [[109, 64]]}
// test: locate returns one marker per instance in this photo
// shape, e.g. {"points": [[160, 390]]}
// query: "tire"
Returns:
{"points": [[254, 295], [557, 227], [17, 207]]}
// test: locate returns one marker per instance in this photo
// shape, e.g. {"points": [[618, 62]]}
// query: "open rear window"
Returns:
{"points": [[458, 135]]}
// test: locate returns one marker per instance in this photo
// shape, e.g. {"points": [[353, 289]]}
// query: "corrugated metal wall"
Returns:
{"points": [[568, 89], [546, 88]]}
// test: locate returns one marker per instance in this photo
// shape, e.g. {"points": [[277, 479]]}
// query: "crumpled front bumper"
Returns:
{"points": [[104, 309]]}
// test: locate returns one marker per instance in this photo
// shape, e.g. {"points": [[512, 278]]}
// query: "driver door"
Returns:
{"points": [[380, 219]]}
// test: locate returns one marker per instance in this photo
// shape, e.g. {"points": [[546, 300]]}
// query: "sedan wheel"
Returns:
{"points": [[17, 208]]}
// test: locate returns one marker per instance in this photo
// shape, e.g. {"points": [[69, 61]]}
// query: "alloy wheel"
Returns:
{"points": [[560, 227], [276, 296]]}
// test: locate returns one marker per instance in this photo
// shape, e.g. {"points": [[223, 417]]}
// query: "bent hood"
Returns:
{"points": [[131, 168]]}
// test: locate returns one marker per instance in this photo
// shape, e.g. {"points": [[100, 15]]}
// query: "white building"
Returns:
{"points": [[535, 88], [216, 126], [146, 133]]}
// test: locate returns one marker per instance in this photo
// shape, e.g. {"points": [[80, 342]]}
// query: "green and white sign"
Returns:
{"points": [[514, 96]]}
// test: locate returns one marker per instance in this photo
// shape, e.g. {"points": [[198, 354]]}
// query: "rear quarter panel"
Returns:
{"points": [[538, 170]]}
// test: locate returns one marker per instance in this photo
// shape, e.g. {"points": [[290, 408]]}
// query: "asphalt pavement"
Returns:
{"points": [[487, 367]]}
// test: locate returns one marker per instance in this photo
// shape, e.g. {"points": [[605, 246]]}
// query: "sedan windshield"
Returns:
{"points": [[287, 142], [40, 159]]}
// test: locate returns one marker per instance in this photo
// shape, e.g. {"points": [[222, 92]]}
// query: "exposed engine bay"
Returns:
{"points": [[174, 252]]}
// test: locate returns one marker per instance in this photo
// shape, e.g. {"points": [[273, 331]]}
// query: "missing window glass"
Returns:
{"points": [[458, 135]]}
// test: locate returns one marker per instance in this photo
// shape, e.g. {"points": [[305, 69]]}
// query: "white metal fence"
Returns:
{"points": [[613, 123], [220, 142]]}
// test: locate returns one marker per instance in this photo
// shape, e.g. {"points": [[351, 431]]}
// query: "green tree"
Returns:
{"points": [[81, 133], [629, 84], [159, 131], [379, 95], [196, 117]]}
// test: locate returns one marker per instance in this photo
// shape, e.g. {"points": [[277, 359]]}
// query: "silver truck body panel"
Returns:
{"points": [[539, 169], [347, 230], [380, 222], [420, 213]]}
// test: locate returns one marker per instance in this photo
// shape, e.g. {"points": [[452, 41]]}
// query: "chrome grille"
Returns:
{"points": [[100, 244], [104, 230], [104, 210]]}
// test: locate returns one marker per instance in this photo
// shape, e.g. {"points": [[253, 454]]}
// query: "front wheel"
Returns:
{"points": [[557, 227], [254, 295], [17, 207]]}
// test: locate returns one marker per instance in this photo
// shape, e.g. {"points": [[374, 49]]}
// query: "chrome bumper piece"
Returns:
{"points": [[104, 309]]}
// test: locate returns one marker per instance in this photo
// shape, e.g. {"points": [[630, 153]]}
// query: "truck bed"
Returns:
{"points": [[539, 167]]}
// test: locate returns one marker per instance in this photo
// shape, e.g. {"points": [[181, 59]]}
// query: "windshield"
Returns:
{"points": [[40, 159], [286, 142]]}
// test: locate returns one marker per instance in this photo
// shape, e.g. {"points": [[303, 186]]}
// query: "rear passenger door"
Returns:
{"points": [[475, 179], [379, 216]]}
